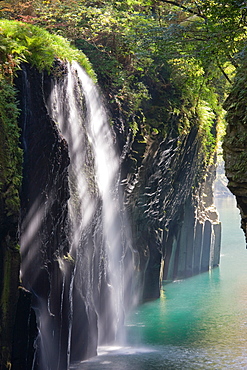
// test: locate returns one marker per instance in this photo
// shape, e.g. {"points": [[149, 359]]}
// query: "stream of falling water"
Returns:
{"points": [[94, 183], [92, 302]]}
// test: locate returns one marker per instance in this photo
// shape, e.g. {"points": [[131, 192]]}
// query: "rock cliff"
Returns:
{"points": [[235, 142], [10, 179], [44, 198], [167, 194]]}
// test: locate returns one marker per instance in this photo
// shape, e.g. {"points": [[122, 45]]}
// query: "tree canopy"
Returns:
{"points": [[188, 49]]}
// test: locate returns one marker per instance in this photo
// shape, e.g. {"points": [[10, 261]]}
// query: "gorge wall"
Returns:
{"points": [[64, 235], [235, 143], [169, 195], [172, 231], [10, 179]]}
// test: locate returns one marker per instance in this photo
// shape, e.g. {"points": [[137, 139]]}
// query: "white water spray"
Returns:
{"points": [[94, 195], [76, 248]]}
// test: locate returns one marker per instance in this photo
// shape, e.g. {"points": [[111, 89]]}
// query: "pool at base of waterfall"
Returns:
{"points": [[198, 323], [164, 357]]}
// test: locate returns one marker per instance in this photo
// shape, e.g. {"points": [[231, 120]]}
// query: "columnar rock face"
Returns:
{"points": [[169, 203], [175, 225]]}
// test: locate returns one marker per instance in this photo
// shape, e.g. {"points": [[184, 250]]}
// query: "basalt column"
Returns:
{"points": [[169, 195]]}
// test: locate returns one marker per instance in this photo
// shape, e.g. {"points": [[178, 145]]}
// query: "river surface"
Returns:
{"points": [[198, 323]]}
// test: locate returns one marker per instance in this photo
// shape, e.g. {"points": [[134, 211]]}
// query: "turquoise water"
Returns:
{"points": [[198, 323]]}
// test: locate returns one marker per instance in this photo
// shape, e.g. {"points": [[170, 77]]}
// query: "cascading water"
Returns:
{"points": [[94, 173], [91, 270]]}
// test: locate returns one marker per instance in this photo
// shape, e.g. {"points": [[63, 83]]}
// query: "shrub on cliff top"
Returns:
{"points": [[21, 42]]}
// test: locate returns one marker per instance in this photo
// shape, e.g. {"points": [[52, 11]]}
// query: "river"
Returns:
{"points": [[198, 323]]}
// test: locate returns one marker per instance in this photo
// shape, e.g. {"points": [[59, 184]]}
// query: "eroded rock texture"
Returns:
{"points": [[235, 143], [43, 225], [168, 199], [71, 293], [175, 225]]}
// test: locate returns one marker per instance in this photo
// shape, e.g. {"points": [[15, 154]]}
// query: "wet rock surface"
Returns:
{"points": [[235, 143], [175, 225], [167, 195]]}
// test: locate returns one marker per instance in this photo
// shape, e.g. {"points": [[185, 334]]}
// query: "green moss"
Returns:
{"points": [[235, 104], [10, 152], [68, 258], [207, 122], [25, 42], [5, 299], [20, 42], [235, 140]]}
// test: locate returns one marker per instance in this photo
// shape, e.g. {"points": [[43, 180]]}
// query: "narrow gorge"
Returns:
{"points": [[111, 205], [101, 225]]}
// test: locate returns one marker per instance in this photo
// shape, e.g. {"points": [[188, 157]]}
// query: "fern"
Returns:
{"points": [[32, 44]]}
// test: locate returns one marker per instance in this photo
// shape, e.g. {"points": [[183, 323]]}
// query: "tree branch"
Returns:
{"points": [[198, 13], [223, 72]]}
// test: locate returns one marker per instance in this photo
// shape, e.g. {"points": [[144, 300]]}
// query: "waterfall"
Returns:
{"points": [[94, 173], [90, 271]]}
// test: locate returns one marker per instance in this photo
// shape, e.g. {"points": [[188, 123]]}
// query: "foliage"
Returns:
{"points": [[194, 46], [10, 152], [198, 42], [21, 42], [235, 140], [208, 120], [235, 104]]}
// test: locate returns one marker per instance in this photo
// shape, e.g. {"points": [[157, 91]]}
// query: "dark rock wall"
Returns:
{"points": [[176, 230], [43, 225], [168, 197], [68, 320], [69, 294], [25, 332], [235, 143], [10, 178], [9, 280]]}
